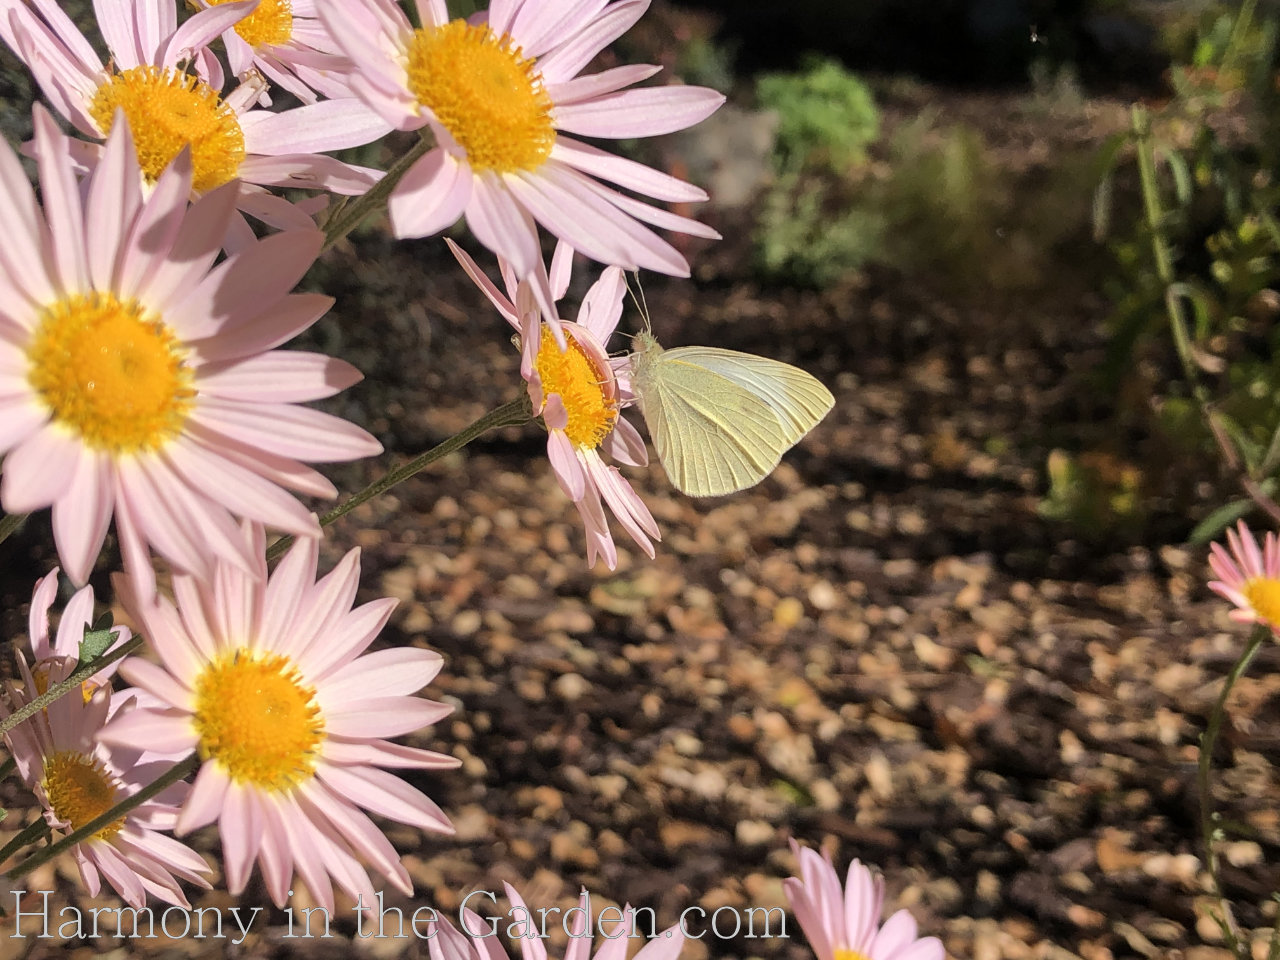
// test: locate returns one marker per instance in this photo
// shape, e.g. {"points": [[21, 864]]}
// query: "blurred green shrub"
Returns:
{"points": [[1197, 265], [828, 116], [1096, 493], [808, 234]]}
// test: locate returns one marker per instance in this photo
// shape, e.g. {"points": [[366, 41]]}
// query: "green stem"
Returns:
{"points": [[36, 830], [511, 414], [375, 198], [1238, 29], [82, 673], [10, 522], [170, 776], [1162, 251], [1207, 829]]}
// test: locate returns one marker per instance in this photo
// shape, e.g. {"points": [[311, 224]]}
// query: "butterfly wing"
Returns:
{"points": [[798, 399], [713, 435]]}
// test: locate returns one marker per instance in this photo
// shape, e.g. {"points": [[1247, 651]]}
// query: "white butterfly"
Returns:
{"points": [[721, 420]]}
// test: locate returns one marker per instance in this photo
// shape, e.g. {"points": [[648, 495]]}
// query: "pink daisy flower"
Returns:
{"points": [[1248, 576], [501, 93], [77, 780], [283, 40], [170, 109], [267, 682], [845, 925], [616, 925], [137, 381], [579, 393]]}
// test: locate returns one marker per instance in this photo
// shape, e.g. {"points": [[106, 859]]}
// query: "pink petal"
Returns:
{"points": [[81, 517], [646, 112], [430, 197], [567, 59], [385, 795], [625, 173], [384, 717], [197, 32], [115, 196], [243, 287], [193, 252], [38, 472], [394, 672], [598, 84], [163, 731], [288, 430], [503, 225], [289, 317], [279, 376], [314, 128], [487, 286], [62, 208]]}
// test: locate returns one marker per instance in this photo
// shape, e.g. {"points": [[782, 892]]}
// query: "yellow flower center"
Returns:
{"points": [[80, 789], [574, 376], [844, 953], [256, 717], [111, 372], [167, 111], [1263, 594], [489, 97], [270, 24]]}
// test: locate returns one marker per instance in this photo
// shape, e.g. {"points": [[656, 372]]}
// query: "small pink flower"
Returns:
{"points": [[845, 924], [271, 684], [579, 392], [138, 380], [502, 95], [76, 779], [1248, 576]]}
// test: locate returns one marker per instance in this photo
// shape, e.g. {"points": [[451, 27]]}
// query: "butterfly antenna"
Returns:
{"points": [[641, 303]]}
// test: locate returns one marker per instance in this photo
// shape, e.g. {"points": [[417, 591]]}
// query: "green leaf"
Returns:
{"points": [[1219, 520], [95, 644]]}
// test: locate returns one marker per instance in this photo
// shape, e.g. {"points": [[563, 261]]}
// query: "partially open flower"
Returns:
{"points": [[1249, 576], [77, 779], [844, 924], [579, 393]]}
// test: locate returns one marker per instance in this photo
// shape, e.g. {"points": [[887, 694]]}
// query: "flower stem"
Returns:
{"points": [[28, 835], [10, 522], [1162, 250], [170, 776], [1208, 831], [511, 414], [375, 198]]}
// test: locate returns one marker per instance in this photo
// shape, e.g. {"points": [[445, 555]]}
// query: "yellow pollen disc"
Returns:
{"points": [[256, 717], [574, 376], [271, 24], [843, 953], [168, 110], [79, 789], [488, 96], [111, 372], [1263, 594]]}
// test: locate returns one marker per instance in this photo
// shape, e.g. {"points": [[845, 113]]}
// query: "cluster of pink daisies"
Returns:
{"points": [[145, 292]]}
